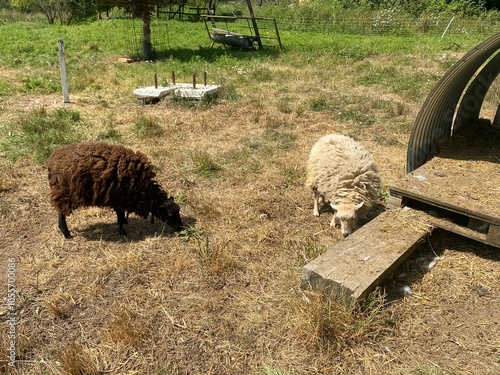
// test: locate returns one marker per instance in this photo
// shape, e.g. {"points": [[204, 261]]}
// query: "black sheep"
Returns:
{"points": [[107, 175]]}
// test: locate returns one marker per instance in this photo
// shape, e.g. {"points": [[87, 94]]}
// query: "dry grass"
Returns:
{"points": [[223, 297]]}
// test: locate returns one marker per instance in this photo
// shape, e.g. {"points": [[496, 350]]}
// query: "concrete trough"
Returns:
{"points": [[186, 90], [152, 94]]}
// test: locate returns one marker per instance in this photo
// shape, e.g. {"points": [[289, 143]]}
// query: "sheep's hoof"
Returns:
{"points": [[316, 213]]}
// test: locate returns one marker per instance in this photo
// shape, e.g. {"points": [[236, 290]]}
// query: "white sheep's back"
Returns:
{"points": [[341, 168]]}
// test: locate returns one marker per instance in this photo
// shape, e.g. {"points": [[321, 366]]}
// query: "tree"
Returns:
{"points": [[64, 10], [47, 7], [142, 9]]}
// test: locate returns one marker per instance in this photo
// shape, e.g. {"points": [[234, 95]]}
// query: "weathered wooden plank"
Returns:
{"points": [[354, 266], [478, 230], [458, 229], [493, 237], [463, 176], [463, 186]]}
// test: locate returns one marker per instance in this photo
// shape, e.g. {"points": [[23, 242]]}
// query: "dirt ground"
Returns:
{"points": [[224, 298]]}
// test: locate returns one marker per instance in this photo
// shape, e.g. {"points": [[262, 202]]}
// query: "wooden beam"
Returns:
{"points": [[354, 266]]}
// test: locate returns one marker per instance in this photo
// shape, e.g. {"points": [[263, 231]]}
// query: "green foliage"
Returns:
{"points": [[4, 87], [39, 132], [41, 84], [357, 116], [395, 17], [228, 92], [147, 127], [205, 164], [249, 156], [95, 46], [279, 140], [261, 74], [285, 105], [318, 104], [410, 85], [64, 11], [109, 133], [293, 175]]}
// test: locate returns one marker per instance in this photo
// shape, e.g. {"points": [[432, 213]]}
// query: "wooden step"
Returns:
{"points": [[453, 221], [354, 266], [459, 186]]}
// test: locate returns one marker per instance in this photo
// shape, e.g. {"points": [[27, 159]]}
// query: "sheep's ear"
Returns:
{"points": [[359, 205], [334, 206]]}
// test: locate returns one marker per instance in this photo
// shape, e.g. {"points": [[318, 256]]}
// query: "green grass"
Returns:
{"points": [[182, 47], [396, 75], [228, 285], [271, 371], [147, 127], [293, 175], [42, 83], [30, 51], [37, 133], [110, 134], [205, 164]]}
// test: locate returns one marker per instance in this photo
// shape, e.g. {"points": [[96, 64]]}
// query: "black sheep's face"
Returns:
{"points": [[168, 211]]}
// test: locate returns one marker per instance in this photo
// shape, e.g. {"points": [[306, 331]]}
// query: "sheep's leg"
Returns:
{"points": [[120, 215], [63, 226], [333, 223], [316, 199], [335, 220]]}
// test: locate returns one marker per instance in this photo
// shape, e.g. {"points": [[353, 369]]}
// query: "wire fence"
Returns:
{"points": [[385, 22], [381, 22], [390, 22]]}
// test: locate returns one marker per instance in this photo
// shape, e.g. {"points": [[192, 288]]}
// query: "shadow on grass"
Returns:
{"points": [[138, 229], [213, 54]]}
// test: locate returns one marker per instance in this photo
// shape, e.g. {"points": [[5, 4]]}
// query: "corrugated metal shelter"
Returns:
{"points": [[452, 185], [453, 169], [455, 100]]}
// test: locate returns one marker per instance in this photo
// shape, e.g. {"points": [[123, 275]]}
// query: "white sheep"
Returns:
{"points": [[340, 171]]}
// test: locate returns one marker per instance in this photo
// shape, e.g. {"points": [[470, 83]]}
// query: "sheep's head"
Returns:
{"points": [[167, 210], [346, 214]]}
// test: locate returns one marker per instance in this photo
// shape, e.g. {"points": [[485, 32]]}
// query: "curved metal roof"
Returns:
{"points": [[441, 112]]}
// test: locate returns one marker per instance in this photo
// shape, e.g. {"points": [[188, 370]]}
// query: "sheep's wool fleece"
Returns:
{"points": [[341, 169], [100, 174]]}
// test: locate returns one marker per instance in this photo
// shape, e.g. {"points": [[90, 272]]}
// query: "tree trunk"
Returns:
{"points": [[147, 47]]}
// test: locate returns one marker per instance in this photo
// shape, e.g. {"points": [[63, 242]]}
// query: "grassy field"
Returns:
{"points": [[223, 297]]}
